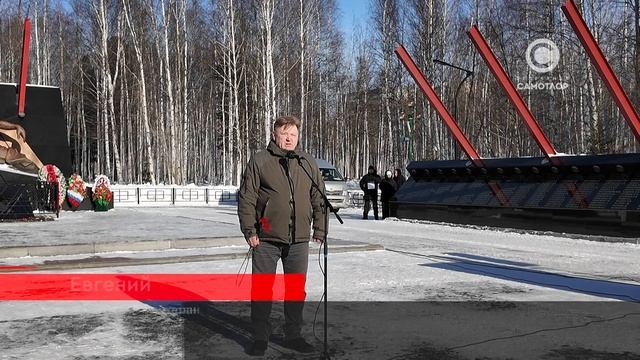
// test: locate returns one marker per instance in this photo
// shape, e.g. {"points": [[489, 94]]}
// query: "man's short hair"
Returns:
{"points": [[286, 121]]}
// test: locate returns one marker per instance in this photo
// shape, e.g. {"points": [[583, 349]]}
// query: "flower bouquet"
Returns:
{"points": [[53, 175], [75, 191], [102, 194]]}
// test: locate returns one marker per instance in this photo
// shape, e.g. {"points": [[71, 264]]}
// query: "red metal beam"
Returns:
{"points": [[598, 60], [449, 121], [522, 108], [513, 95], [435, 101], [24, 67]]}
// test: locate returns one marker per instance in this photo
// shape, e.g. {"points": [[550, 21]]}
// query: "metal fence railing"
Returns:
{"points": [[172, 196], [356, 198], [19, 201], [146, 195]]}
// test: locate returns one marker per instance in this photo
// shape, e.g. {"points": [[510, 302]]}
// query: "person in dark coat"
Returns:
{"points": [[388, 188], [398, 178], [369, 185]]}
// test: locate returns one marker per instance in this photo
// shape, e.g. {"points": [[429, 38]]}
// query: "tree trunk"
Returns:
{"points": [[143, 96]]}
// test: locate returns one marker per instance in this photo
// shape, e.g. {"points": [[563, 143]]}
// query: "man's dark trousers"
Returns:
{"points": [[370, 198], [295, 260]]}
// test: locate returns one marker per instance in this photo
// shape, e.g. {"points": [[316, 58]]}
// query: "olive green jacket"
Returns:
{"points": [[266, 206]]}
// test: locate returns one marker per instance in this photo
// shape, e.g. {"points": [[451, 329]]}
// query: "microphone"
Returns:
{"points": [[292, 155]]}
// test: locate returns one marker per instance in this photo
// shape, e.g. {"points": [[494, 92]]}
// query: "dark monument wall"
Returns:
{"points": [[45, 123], [588, 194]]}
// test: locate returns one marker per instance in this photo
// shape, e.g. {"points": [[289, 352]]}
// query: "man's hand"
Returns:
{"points": [[317, 240], [253, 240]]}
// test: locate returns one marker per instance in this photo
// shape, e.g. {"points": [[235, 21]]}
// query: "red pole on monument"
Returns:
{"points": [[24, 67]]}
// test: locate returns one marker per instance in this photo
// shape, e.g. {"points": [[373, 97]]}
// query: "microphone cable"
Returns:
{"points": [[442, 259], [245, 264]]}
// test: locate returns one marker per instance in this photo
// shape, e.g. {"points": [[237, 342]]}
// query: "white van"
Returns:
{"points": [[334, 183]]}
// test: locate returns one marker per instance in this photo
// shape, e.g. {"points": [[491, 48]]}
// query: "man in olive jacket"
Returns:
{"points": [[278, 206]]}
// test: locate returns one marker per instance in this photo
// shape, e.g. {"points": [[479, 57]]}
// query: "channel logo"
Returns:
{"points": [[542, 55]]}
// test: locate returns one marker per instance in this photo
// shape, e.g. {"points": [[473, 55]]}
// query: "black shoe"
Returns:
{"points": [[258, 348], [365, 217], [299, 345]]}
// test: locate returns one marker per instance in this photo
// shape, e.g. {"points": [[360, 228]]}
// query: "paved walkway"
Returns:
{"points": [[132, 229]]}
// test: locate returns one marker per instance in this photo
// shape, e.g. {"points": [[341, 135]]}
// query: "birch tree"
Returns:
{"points": [[143, 92]]}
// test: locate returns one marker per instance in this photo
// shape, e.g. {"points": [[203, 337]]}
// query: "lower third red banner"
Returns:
{"points": [[150, 287]]}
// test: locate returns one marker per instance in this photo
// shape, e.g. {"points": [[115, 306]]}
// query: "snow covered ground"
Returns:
{"points": [[436, 291]]}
